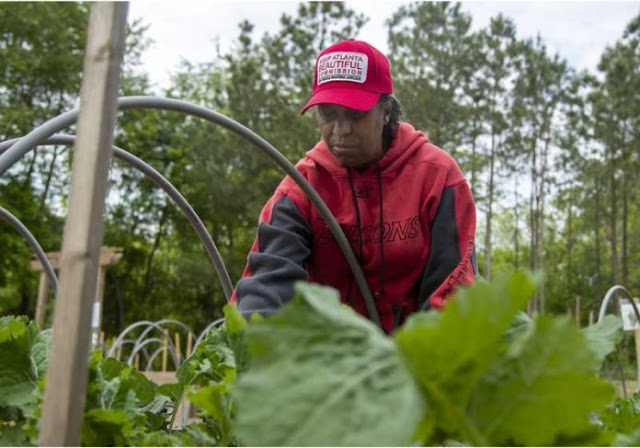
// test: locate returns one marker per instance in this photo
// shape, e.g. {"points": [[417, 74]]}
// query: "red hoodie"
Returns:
{"points": [[410, 219]]}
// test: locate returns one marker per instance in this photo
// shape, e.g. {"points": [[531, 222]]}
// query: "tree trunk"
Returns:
{"points": [[625, 223], [626, 185], [570, 242], [47, 183], [487, 236], [156, 244], [613, 236], [474, 152], [23, 308], [533, 221], [115, 281], [27, 180], [541, 214], [473, 166], [515, 236], [596, 230]]}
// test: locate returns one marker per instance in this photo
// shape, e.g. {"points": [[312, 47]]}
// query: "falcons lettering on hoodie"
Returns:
{"points": [[393, 231]]}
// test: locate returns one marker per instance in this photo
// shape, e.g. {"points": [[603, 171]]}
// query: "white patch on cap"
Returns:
{"points": [[342, 66]]}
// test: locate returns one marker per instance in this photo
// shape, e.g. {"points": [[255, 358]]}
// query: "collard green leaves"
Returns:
{"points": [[23, 359], [535, 386], [449, 351], [122, 404], [542, 390], [321, 375], [602, 338], [477, 373]]}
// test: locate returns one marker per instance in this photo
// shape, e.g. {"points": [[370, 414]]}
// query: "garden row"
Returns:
{"points": [[479, 373]]}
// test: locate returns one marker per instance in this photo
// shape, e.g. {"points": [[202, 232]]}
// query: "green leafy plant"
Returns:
{"points": [[23, 364], [322, 375], [467, 374], [316, 373]]}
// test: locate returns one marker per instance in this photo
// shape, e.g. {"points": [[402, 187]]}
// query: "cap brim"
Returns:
{"points": [[347, 97]]}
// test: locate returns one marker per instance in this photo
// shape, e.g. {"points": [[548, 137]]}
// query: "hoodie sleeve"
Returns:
{"points": [[451, 261], [278, 255]]}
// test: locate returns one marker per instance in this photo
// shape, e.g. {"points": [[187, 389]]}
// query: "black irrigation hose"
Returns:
{"points": [[49, 128], [172, 192], [35, 246]]}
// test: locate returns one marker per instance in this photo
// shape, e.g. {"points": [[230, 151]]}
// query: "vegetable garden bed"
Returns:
{"points": [[316, 373]]}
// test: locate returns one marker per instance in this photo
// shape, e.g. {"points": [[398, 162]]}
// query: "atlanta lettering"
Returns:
{"points": [[342, 66]]}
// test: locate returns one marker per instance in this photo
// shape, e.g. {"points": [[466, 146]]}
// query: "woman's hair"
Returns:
{"points": [[389, 130]]}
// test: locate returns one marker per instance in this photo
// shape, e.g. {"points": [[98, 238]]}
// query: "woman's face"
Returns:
{"points": [[354, 137]]}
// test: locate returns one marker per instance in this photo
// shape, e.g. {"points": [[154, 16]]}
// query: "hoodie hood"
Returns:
{"points": [[403, 146]]}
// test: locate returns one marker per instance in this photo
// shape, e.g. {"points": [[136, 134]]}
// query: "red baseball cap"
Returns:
{"points": [[351, 73]]}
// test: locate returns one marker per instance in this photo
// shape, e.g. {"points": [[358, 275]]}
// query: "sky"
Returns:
{"points": [[188, 29]]}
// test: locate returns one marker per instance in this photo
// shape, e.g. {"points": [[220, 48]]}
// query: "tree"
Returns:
{"points": [[429, 48], [540, 88], [41, 55], [498, 44]]}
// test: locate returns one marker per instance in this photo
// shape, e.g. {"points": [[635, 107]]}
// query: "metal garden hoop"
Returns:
{"points": [[46, 130]]}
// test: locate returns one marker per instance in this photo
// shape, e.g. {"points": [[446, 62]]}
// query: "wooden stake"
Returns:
{"points": [[591, 317], [136, 361], [165, 347], [178, 351], [189, 343], [43, 295], [578, 310], [64, 396]]}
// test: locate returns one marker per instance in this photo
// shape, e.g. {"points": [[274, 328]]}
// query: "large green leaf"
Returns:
{"points": [[449, 351], [602, 338], [40, 353], [322, 375], [214, 401], [106, 427], [542, 390], [128, 380], [235, 326], [212, 360], [23, 360], [115, 386]]}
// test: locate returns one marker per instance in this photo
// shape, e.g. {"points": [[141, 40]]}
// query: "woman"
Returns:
{"points": [[402, 202]]}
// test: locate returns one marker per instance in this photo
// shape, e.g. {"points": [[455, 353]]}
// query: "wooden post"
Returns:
{"points": [[136, 361], [64, 396], [109, 256], [165, 347], [578, 310], [591, 317], [177, 344], [43, 295], [189, 343]]}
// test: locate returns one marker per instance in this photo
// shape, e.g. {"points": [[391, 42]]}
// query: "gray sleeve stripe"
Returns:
{"points": [[445, 253], [284, 246]]}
